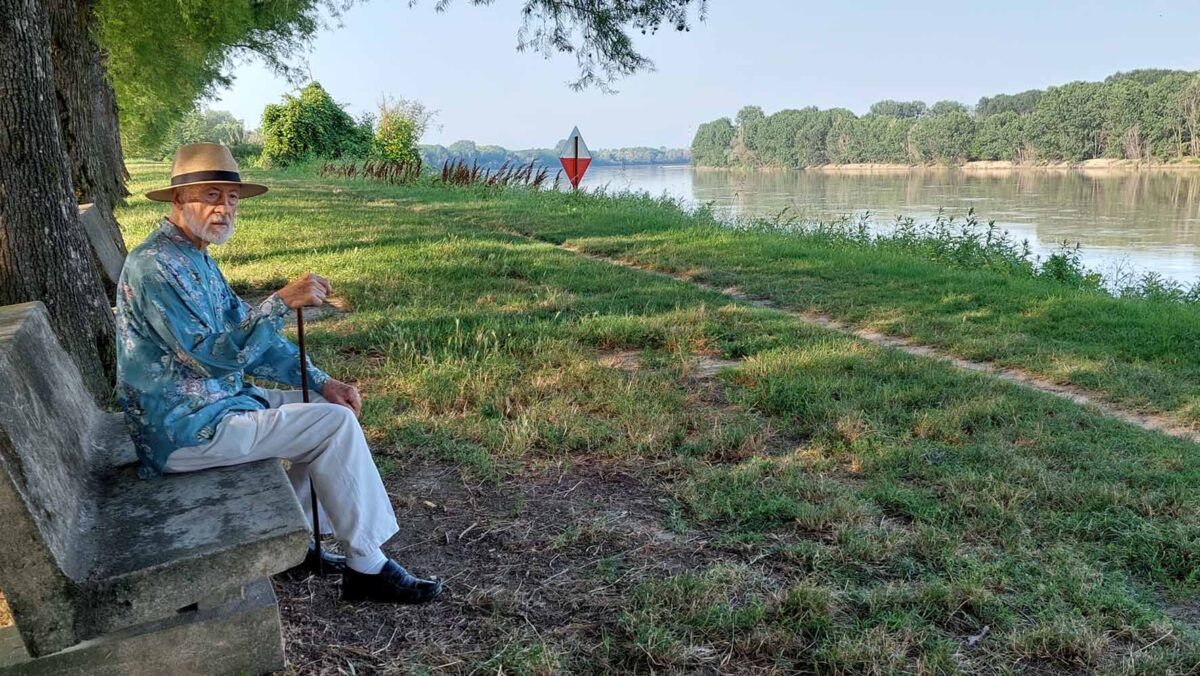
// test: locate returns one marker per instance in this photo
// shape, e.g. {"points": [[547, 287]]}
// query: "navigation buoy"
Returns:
{"points": [[575, 158]]}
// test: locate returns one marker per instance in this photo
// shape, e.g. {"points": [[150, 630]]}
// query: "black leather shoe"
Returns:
{"points": [[393, 584], [331, 564]]}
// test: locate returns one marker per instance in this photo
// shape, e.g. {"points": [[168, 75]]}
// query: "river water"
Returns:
{"points": [[1123, 222]]}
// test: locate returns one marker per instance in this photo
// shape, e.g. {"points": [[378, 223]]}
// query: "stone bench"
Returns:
{"points": [[107, 573]]}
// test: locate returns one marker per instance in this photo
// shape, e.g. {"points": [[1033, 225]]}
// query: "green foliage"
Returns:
{"points": [[944, 138], [1125, 105], [1067, 123], [395, 139], [398, 128], [890, 108], [775, 141], [209, 126], [1140, 115], [312, 126], [811, 137], [710, 147], [1163, 118], [1021, 104], [999, 137], [749, 123], [947, 108], [882, 139], [164, 56], [1145, 76], [839, 140]]}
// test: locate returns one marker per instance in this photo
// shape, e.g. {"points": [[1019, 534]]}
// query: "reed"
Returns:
{"points": [[458, 172], [392, 172]]}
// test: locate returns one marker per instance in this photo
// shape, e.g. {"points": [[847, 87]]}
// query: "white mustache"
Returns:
{"points": [[226, 231]]}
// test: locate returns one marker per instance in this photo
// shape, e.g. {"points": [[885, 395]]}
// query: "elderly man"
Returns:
{"points": [[185, 340]]}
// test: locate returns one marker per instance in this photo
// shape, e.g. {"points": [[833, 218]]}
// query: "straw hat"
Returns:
{"points": [[200, 163]]}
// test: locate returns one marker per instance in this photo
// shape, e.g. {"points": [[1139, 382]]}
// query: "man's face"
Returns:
{"points": [[209, 211]]}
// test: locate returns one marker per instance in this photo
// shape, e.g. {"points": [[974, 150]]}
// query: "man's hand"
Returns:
{"points": [[337, 392], [308, 289]]}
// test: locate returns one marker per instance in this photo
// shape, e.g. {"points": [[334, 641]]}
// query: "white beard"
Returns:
{"points": [[212, 238], [209, 233]]}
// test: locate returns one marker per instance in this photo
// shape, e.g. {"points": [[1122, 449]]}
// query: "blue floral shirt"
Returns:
{"points": [[185, 341]]}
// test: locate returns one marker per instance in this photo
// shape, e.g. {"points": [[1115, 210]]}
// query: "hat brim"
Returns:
{"points": [[247, 189]]}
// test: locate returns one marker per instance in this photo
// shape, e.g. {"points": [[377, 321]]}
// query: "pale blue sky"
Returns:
{"points": [[772, 53]]}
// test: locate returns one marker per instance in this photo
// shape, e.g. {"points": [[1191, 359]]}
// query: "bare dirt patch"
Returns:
{"points": [[629, 361], [699, 368], [535, 568], [706, 368]]}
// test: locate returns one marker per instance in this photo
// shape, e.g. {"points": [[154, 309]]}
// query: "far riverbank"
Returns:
{"points": [[1099, 165]]}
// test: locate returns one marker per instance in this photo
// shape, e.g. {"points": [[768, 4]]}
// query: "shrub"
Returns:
{"points": [[246, 153], [203, 126], [399, 127], [312, 126]]}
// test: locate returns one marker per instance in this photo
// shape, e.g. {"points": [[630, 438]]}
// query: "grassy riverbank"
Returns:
{"points": [[619, 472], [1141, 355]]}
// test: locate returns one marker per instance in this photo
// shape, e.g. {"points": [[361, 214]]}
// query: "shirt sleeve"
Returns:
{"points": [[212, 351], [280, 361]]}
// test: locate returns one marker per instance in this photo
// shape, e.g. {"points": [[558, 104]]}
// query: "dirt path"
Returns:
{"points": [[1095, 400]]}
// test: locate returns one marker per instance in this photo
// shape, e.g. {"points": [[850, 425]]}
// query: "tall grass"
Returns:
{"points": [[458, 172], [392, 172], [968, 243]]}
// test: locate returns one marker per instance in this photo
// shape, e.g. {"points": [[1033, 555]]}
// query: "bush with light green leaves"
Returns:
{"points": [[312, 126]]}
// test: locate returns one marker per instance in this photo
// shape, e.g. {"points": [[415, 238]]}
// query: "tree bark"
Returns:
{"points": [[87, 114], [43, 249]]}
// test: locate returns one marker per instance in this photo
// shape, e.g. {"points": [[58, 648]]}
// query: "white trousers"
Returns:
{"points": [[325, 445]]}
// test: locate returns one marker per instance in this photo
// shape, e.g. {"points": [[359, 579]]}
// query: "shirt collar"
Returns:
{"points": [[172, 232]]}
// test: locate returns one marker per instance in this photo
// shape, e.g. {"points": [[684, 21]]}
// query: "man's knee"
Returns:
{"points": [[342, 415]]}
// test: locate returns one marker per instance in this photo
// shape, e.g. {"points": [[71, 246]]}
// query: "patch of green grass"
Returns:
{"points": [[533, 658], [856, 509], [1141, 354]]}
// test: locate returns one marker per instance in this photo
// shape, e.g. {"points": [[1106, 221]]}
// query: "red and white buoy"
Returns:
{"points": [[575, 158]]}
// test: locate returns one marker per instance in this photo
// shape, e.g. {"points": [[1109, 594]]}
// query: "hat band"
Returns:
{"points": [[202, 176]]}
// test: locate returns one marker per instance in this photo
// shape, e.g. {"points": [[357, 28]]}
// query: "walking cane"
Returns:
{"points": [[312, 487]]}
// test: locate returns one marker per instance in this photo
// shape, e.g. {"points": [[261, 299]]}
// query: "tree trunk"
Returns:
{"points": [[43, 249], [87, 114]]}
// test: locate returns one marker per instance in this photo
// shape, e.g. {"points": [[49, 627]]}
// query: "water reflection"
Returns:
{"points": [[1148, 220]]}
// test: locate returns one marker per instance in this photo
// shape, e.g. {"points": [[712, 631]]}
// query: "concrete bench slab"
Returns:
{"points": [[240, 637], [159, 542], [88, 547]]}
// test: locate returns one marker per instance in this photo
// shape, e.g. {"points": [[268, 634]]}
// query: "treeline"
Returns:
{"points": [[495, 156], [1139, 115]]}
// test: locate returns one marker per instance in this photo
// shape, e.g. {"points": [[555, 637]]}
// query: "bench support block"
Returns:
{"points": [[243, 636]]}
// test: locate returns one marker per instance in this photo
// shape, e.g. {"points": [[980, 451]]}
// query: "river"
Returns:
{"points": [[1148, 221]]}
